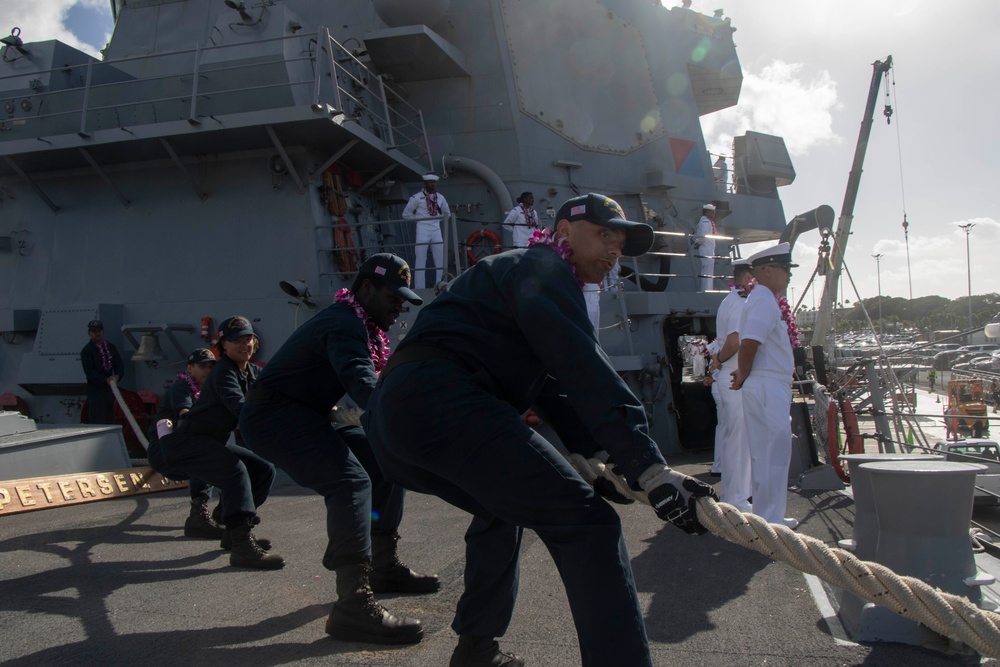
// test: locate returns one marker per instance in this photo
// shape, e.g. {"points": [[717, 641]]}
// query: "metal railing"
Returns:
{"points": [[206, 83]]}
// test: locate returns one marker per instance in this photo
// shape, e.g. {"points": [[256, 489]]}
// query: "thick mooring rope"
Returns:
{"points": [[950, 615]]}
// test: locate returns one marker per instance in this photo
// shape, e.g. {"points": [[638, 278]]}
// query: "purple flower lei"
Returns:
{"points": [[105, 352], [548, 238], [192, 385], [786, 315], [378, 342]]}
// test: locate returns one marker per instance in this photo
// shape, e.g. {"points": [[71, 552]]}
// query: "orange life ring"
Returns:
{"points": [[855, 443], [477, 238], [833, 442]]}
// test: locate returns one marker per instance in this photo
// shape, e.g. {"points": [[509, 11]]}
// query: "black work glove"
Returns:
{"points": [[673, 496], [594, 471]]}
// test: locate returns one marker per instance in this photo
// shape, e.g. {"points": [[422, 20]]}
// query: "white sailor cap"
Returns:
{"points": [[777, 254], [741, 262], [708, 207], [430, 177]]}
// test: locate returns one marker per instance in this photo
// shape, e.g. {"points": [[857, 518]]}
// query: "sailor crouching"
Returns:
{"points": [[198, 448]]}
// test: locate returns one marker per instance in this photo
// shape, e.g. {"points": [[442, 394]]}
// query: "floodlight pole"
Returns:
{"points": [[968, 262], [878, 274]]}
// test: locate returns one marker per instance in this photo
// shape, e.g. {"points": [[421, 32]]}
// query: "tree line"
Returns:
{"points": [[924, 314]]}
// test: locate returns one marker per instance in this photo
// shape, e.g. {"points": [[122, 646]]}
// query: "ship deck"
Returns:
{"points": [[115, 582]]}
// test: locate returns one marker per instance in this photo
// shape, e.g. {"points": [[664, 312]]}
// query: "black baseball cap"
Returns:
{"points": [[606, 212], [200, 356], [232, 328], [95, 325], [394, 271]]}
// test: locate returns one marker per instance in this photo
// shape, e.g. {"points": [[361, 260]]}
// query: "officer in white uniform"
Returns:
{"points": [[732, 449], [428, 203], [522, 221], [713, 381], [704, 247], [764, 378]]}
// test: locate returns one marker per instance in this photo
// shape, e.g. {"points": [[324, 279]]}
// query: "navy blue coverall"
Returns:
{"points": [[198, 446], [179, 397], [100, 398], [448, 423], [286, 420]]}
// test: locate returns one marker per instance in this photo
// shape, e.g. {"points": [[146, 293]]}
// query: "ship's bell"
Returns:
{"points": [[149, 349]]}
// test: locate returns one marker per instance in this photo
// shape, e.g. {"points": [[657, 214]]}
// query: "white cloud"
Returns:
{"points": [[779, 100], [41, 20]]}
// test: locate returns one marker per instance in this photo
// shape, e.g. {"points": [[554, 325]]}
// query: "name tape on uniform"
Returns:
{"points": [[39, 493]]}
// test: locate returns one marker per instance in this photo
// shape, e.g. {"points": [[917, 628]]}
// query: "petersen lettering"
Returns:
{"points": [[44, 492]]}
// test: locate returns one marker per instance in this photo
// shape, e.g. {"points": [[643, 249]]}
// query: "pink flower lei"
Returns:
{"points": [[192, 385], [378, 342], [744, 291], [547, 237], [105, 352], [786, 315]]}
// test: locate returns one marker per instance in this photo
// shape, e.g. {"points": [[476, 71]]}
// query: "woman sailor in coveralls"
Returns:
{"points": [[198, 448], [176, 403], [486, 346]]}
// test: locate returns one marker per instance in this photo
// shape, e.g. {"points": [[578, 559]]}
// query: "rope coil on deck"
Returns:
{"points": [[947, 614]]}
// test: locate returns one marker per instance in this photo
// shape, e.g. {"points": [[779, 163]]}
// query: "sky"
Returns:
{"points": [[807, 66]]}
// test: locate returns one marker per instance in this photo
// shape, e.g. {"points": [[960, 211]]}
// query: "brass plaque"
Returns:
{"points": [[40, 493]]}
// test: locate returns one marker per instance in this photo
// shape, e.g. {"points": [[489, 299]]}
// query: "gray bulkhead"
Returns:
{"points": [[183, 176]]}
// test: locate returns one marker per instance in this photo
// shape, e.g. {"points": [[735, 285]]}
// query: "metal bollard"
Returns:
{"points": [[865, 536], [923, 511]]}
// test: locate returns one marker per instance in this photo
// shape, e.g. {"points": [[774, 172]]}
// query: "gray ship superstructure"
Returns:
{"points": [[220, 148]]}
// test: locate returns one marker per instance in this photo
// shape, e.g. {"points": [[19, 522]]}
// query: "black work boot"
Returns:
{"points": [[246, 552], [199, 522], [482, 652], [226, 543], [389, 575], [358, 617]]}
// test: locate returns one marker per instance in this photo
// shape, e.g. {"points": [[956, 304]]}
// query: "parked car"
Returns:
{"points": [[977, 450], [942, 360], [985, 348], [975, 363]]}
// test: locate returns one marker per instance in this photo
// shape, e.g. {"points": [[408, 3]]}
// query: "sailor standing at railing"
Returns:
{"points": [[704, 247], [522, 221], [428, 203], [764, 376]]}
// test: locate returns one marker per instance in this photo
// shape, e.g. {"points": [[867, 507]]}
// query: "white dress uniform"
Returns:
{"points": [[735, 451], [427, 205], [704, 254], [713, 349], [522, 222], [697, 354], [767, 397]]}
